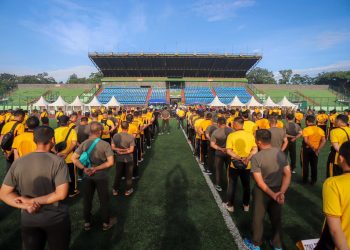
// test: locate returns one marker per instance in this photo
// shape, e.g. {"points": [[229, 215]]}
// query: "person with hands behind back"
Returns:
{"points": [[101, 158], [37, 183], [272, 175]]}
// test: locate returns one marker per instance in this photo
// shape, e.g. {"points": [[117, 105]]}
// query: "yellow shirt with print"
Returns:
{"points": [[339, 135], [250, 127], [204, 125], [229, 121], [24, 143], [149, 116], [60, 135], [138, 123], [241, 143], [197, 123], [2, 119], [181, 113], [314, 135], [336, 201]]}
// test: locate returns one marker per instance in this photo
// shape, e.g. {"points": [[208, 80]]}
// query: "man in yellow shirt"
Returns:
{"points": [[43, 114], [196, 124], [61, 133], [332, 115], [336, 203], [248, 126], [59, 113], [314, 141], [240, 146], [180, 117], [338, 135], [18, 127], [2, 119], [108, 127], [322, 120], [24, 143], [298, 117], [202, 127], [261, 123]]}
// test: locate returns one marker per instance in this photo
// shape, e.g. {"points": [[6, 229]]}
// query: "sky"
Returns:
{"points": [[55, 36]]}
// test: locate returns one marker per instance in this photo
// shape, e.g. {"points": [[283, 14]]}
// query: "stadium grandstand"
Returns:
{"points": [[186, 78]]}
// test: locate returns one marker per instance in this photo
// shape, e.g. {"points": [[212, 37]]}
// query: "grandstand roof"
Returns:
{"points": [[174, 65]]}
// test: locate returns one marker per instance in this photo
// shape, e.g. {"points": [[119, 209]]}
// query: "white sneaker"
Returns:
{"points": [[231, 209], [218, 188], [246, 208], [148, 147]]}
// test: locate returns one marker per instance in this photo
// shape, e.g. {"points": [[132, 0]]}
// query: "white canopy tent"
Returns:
{"points": [[113, 102], [41, 103], [77, 104], [253, 103], [286, 103], [269, 103], [216, 103], [59, 103], [94, 103], [236, 102]]}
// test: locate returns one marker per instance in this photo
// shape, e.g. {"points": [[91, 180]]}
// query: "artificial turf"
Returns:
{"points": [[172, 208]]}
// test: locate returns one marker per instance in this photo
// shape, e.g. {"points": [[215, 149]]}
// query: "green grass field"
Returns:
{"points": [[173, 208]]}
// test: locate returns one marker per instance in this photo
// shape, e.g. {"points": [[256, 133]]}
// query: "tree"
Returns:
{"points": [[261, 76], [286, 75], [95, 77]]}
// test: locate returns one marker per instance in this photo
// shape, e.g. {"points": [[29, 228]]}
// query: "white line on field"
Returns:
{"points": [[225, 214]]}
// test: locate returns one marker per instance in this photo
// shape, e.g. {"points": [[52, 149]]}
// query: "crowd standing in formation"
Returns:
{"points": [[235, 144]]}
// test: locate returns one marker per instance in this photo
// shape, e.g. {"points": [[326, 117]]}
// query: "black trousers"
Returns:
{"points": [[73, 178], [332, 168], [142, 143], [291, 150], [101, 185], [198, 148], [309, 160], [211, 158], [147, 136], [138, 148], [123, 167], [57, 236], [204, 153], [262, 204], [156, 126], [220, 160], [180, 122], [233, 175]]}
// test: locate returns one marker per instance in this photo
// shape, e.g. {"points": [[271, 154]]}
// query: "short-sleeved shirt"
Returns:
{"points": [[38, 174], [124, 140], [321, 119], [24, 143], [339, 135], [219, 137], [107, 125], [8, 126], [165, 114], [210, 130], [270, 163], [98, 155], [314, 135], [336, 201], [204, 125], [262, 123], [250, 127], [277, 137], [181, 113], [241, 143], [60, 135], [292, 129], [197, 124], [298, 117]]}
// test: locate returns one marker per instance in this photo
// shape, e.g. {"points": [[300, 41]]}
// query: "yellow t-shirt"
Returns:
{"points": [[298, 117], [2, 118], [339, 135], [321, 119], [229, 121], [332, 118], [24, 143], [107, 125], [8, 126], [149, 116], [204, 125], [336, 201], [262, 123], [60, 135], [181, 113], [250, 127], [197, 123], [43, 114], [241, 143], [279, 124], [314, 135], [132, 129], [59, 114]]}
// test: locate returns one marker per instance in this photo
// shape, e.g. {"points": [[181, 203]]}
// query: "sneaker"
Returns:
{"points": [[206, 171], [80, 179], [218, 188], [246, 208], [293, 172], [231, 209], [160, 133], [148, 147], [115, 192], [74, 194], [112, 222], [87, 226], [141, 160], [249, 244], [123, 178], [129, 192]]}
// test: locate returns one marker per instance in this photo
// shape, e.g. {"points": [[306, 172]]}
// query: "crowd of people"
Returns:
{"points": [[231, 143]]}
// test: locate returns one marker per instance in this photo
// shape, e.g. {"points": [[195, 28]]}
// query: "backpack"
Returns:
{"points": [[85, 156], [7, 140]]}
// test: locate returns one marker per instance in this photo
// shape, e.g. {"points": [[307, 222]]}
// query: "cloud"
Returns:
{"points": [[339, 66], [330, 39], [77, 28], [217, 10], [63, 74]]}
